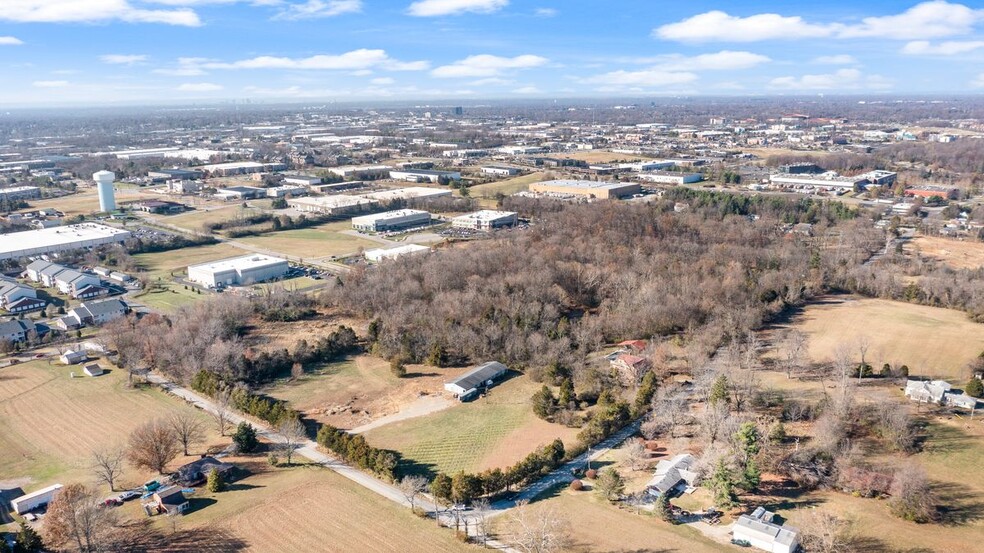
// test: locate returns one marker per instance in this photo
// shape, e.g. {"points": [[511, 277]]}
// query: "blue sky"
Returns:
{"points": [[59, 52]]}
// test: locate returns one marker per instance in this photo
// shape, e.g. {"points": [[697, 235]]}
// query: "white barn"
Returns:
{"points": [[33, 500], [758, 530]]}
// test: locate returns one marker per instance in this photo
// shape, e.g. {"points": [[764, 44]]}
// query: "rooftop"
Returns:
{"points": [[586, 184], [241, 263], [57, 236]]}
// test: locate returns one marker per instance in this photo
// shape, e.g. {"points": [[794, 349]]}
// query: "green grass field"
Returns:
{"points": [[161, 264], [195, 220], [169, 297], [460, 438], [311, 243], [507, 186]]}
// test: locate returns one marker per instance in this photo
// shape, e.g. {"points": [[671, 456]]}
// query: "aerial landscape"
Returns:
{"points": [[463, 275]]}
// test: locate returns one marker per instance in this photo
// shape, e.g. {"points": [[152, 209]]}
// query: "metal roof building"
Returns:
{"points": [[57, 239], [468, 384]]}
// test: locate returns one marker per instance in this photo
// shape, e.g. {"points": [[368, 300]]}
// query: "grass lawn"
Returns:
{"points": [[507, 186], [195, 220], [595, 525], [465, 436], [313, 509], [169, 297], [161, 264], [51, 423], [933, 342], [960, 254], [311, 243]]}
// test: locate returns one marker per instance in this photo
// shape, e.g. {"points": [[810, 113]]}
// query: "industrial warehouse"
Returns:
{"points": [[248, 269], [391, 220], [332, 205], [586, 188], [485, 219], [59, 239]]}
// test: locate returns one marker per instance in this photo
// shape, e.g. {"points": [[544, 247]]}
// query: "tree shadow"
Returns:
{"points": [[410, 467], [199, 503], [959, 506], [142, 535], [420, 374], [239, 486]]}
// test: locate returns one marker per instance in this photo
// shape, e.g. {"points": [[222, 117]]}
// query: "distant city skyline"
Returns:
{"points": [[97, 52]]}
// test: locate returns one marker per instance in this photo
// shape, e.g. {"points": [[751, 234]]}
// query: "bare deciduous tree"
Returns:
{"points": [[108, 466], [912, 495], [221, 413], [539, 529], [189, 429], [153, 445], [636, 455], [411, 487], [483, 522], [792, 351], [292, 436], [823, 532], [76, 519]]}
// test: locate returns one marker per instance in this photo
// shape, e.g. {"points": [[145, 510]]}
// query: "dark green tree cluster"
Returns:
{"points": [[647, 389], [975, 388], [354, 449], [464, 487], [273, 411], [245, 438], [544, 403], [610, 416]]}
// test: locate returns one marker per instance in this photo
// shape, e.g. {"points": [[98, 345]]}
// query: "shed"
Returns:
{"points": [[760, 531], [92, 369], [468, 384], [170, 500], [72, 356]]}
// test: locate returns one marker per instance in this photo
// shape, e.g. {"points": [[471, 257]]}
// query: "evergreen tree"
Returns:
{"points": [[975, 388], [215, 483], [441, 487], [245, 438], [544, 403], [719, 391], [27, 540], [647, 389], [566, 395], [610, 484], [777, 433], [663, 510], [751, 476], [722, 485]]}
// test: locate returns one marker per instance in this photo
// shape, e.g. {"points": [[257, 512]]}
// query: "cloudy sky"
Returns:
{"points": [[55, 52]]}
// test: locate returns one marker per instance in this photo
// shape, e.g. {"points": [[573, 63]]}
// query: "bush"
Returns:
{"points": [[975, 388], [591, 474], [398, 368], [273, 459], [577, 485], [215, 483]]}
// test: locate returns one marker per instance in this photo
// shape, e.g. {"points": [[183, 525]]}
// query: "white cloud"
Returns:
{"points": [[527, 90], [545, 12], [718, 61], [122, 59], [355, 60], [199, 87], [648, 78], [75, 11], [721, 27], [839, 59], [382, 81], [842, 79], [179, 72], [10, 41], [486, 65], [933, 19], [431, 8], [491, 81], [313, 9], [948, 48], [50, 84], [978, 82]]}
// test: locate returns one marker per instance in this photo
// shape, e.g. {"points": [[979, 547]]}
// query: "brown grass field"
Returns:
{"points": [[931, 341], [52, 423], [506, 186], [162, 264], [312, 243], [959, 254], [596, 526], [313, 509]]}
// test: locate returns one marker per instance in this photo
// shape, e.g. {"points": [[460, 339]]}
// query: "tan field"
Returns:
{"points": [[959, 254], [163, 264], [507, 186], [933, 342], [52, 423], [86, 200], [312, 243], [596, 526], [602, 156], [313, 509]]}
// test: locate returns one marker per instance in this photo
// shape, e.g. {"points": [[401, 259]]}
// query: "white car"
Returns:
{"points": [[128, 495]]}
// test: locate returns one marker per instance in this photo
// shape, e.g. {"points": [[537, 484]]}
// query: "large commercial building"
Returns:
{"points": [[424, 175], [409, 193], [58, 239], [20, 193], [391, 220], [360, 171], [247, 269], [586, 188], [392, 253], [486, 220], [333, 205], [828, 180], [671, 177], [240, 168]]}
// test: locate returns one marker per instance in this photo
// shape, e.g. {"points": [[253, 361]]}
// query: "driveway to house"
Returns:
{"points": [[424, 405]]}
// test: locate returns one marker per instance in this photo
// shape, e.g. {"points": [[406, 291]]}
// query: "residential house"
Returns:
{"points": [[17, 298], [93, 313], [15, 330], [77, 284], [630, 367], [939, 392], [673, 474], [759, 530], [170, 501], [196, 472]]}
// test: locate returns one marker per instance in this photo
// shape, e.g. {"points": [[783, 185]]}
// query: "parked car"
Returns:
{"points": [[151, 486], [128, 495]]}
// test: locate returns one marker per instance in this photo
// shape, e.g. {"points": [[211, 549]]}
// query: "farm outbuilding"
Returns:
{"points": [[483, 376], [759, 530], [92, 369], [29, 502], [72, 356]]}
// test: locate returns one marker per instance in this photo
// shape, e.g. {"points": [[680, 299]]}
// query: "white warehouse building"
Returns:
{"points": [[486, 219], [59, 239], [391, 220], [247, 269]]}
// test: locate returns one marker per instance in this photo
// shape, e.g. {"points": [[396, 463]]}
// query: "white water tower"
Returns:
{"points": [[104, 184]]}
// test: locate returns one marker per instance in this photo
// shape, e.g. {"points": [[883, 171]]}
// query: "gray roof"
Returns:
{"points": [[14, 326], [768, 531], [53, 269], [37, 265], [671, 472], [96, 308], [479, 375]]}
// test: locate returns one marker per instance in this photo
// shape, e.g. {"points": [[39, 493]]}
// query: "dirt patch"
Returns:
{"points": [[959, 254], [520, 442]]}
